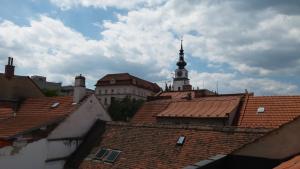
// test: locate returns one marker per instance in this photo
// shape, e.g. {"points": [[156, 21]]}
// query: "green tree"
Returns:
{"points": [[123, 110]]}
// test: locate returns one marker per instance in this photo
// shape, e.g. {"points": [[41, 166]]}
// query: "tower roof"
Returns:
{"points": [[181, 63]]}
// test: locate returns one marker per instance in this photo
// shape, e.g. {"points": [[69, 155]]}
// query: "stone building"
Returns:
{"points": [[121, 85]]}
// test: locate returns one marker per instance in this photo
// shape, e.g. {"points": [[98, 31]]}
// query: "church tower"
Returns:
{"points": [[181, 80]]}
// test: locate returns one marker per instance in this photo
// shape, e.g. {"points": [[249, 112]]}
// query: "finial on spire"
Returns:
{"points": [[181, 43]]}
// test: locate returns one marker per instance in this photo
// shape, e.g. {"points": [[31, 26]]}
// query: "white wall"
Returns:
{"points": [[31, 156], [121, 91], [80, 121]]}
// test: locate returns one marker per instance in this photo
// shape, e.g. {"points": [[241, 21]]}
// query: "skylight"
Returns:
{"points": [[54, 105], [107, 155], [180, 140], [261, 109], [101, 153], [112, 156]]}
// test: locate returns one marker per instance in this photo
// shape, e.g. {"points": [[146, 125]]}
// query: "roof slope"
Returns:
{"points": [[147, 113], [154, 146], [18, 87], [35, 113], [211, 107], [278, 110], [294, 163], [127, 79]]}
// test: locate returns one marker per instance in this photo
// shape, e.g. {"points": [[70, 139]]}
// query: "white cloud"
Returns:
{"points": [[122, 4], [231, 83], [145, 41]]}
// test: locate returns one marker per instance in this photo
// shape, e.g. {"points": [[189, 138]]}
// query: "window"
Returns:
{"points": [[112, 90], [180, 140], [107, 155], [105, 91], [54, 105], [260, 109], [101, 153], [178, 88], [99, 91], [105, 100], [112, 156]]}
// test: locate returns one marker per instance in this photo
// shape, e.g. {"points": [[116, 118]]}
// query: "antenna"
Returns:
{"points": [[217, 86]]}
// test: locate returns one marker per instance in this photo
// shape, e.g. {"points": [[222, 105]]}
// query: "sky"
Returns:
{"points": [[235, 45]]}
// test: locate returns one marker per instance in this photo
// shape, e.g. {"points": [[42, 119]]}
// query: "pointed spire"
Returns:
{"points": [[181, 63]]}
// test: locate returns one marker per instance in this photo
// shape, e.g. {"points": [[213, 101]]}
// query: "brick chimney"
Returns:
{"points": [[10, 68], [79, 89]]}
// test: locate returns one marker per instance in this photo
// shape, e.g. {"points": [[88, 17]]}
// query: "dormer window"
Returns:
{"points": [[260, 109]]}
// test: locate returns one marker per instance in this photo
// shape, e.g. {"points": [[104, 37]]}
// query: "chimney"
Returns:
{"points": [[9, 68], [79, 89]]}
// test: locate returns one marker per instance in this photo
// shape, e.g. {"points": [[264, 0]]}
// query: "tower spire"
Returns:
{"points": [[181, 63]]}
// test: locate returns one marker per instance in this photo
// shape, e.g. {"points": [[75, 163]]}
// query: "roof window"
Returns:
{"points": [[54, 105], [260, 109], [180, 140], [107, 155]]}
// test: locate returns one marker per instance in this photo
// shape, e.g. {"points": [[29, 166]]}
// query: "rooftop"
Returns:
{"points": [[156, 146]]}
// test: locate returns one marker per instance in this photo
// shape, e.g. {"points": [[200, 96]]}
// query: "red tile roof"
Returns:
{"points": [[147, 113], [154, 146], [294, 163], [35, 113], [127, 79], [179, 94], [278, 110], [6, 113], [211, 107]]}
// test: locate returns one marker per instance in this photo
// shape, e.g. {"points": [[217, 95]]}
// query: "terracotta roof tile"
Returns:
{"points": [[6, 113], [294, 163], [154, 146], [36, 112], [147, 113], [202, 107], [179, 94], [278, 110]]}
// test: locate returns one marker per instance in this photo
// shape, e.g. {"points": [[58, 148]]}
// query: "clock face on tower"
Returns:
{"points": [[179, 73]]}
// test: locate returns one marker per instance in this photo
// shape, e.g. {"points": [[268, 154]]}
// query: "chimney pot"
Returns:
{"points": [[79, 89], [9, 68]]}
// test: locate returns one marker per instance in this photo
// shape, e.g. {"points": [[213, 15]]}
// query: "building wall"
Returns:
{"points": [[84, 117], [24, 156], [106, 93], [279, 144]]}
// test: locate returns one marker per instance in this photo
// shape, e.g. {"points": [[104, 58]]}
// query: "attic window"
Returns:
{"points": [[261, 109], [180, 140], [54, 105], [107, 155]]}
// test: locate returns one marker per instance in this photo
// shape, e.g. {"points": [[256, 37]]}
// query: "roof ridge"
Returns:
{"points": [[229, 129]]}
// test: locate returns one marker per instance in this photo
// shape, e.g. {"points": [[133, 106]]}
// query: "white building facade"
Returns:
{"points": [[119, 86]]}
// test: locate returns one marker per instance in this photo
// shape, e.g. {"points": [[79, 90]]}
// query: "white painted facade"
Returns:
{"points": [[180, 80], [107, 93], [42, 153]]}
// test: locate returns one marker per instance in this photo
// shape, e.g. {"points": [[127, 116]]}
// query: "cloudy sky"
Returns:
{"points": [[240, 45]]}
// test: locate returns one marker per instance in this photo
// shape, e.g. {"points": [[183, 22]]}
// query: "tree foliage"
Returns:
{"points": [[123, 110]]}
